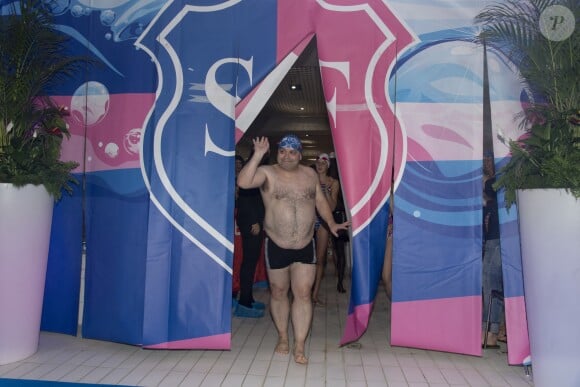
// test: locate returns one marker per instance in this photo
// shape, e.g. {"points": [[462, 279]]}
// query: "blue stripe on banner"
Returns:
{"points": [[438, 231], [117, 215], [63, 274], [428, 264], [184, 289], [367, 261]]}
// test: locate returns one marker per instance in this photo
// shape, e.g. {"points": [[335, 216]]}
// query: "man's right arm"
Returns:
{"points": [[251, 176]]}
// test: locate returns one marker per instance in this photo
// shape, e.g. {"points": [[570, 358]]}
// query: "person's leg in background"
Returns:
{"points": [[251, 247], [340, 261], [502, 335], [492, 280], [322, 235], [387, 274]]}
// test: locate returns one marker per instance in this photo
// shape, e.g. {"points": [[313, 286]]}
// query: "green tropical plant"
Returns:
{"points": [[33, 59], [548, 154]]}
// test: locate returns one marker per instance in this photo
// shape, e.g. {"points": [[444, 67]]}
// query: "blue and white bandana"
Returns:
{"points": [[290, 141]]}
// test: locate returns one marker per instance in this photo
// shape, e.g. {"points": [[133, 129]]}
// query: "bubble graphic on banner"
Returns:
{"points": [[131, 21], [112, 150], [108, 17], [125, 19], [90, 103], [104, 3], [57, 7], [132, 141], [78, 11]]}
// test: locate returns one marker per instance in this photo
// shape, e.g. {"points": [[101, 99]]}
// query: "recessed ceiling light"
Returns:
{"points": [[301, 108], [295, 86]]}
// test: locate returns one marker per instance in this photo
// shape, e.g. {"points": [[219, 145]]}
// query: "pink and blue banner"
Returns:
{"points": [[155, 128]]}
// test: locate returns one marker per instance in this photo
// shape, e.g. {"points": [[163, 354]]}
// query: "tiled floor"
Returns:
{"points": [[251, 362]]}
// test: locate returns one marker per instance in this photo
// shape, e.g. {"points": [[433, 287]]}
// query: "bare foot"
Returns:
{"points": [[502, 337], [282, 347], [491, 340], [299, 357]]}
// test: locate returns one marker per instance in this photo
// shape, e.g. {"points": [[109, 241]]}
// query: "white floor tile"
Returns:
{"points": [[253, 380]]}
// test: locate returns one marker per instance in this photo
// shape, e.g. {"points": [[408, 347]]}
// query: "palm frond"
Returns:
{"points": [[548, 155], [33, 59]]}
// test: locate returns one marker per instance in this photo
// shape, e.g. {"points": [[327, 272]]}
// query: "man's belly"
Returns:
{"points": [[290, 236]]}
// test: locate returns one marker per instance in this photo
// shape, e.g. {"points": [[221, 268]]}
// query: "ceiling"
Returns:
{"points": [[301, 111]]}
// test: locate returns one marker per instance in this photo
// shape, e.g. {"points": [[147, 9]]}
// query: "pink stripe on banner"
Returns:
{"points": [[356, 323], [449, 324], [442, 131], [295, 22], [220, 342], [113, 125], [517, 329]]}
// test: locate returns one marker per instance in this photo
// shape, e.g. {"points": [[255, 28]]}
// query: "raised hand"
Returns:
{"points": [[261, 146]]}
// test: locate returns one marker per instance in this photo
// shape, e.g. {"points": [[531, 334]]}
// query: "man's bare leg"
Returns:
{"points": [[302, 278], [280, 306]]}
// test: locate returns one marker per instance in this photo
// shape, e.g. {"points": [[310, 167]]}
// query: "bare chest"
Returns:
{"points": [[289, 190]]}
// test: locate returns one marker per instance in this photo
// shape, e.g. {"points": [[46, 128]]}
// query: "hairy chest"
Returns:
{"points": [[292, 190]]}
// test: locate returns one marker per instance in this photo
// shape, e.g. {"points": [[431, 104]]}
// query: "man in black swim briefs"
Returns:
{"points": [[280, 258], [292, 194]]}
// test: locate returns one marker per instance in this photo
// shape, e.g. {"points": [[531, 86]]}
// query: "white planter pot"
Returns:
{"points": [[550, 244], [25, 221]]}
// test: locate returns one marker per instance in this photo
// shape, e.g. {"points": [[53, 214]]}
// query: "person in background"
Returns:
{"points": [[292, 194], [330, 189], [492, 266], [339, 243], [239, 165], [250, 218]]}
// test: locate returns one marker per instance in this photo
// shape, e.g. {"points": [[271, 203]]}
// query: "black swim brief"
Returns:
{"points": [[279, 258]]}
